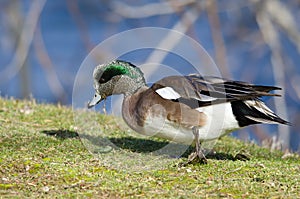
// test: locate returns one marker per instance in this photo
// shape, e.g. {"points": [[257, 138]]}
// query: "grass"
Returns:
{"points": [[41, 155]]}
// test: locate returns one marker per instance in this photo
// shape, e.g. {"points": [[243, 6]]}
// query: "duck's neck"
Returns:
{"points": [[130, 110], [129, 86], [133, 88]]}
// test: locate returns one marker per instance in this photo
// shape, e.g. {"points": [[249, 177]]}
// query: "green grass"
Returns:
{"points": [[41, 155]]}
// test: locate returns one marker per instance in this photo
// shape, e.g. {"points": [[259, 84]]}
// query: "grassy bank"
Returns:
{"points": [[41, 155]]}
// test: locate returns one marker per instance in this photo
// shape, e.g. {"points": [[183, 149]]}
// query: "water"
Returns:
{"points": [[67, 32]]}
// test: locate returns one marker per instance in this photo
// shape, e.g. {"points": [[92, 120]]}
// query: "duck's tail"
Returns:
{"points": [[254, 112]]}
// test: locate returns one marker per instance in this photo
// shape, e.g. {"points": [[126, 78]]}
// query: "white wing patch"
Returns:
{"points": [[168, 93]]}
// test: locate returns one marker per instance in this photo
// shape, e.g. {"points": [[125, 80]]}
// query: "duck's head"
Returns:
{"points": [[116, 77]]}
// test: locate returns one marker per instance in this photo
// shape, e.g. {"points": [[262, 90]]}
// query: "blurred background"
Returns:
{"points": [[43, 43]]}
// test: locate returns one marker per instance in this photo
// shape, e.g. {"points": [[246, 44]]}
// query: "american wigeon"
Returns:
{"points": [[183, 109]]}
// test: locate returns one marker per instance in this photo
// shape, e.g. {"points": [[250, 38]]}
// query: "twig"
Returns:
{"points": [[78, 19], [148, 10], [232, 171], [280, 15], [271, 38], [25, 40], [171, 39], [45, 61], [220, 49]]}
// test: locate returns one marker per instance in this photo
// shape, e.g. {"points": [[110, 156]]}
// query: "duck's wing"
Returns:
{"points": [[232, 88], [197, 91]]}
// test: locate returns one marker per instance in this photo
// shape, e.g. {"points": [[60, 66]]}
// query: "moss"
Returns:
{"points": [[42, 155]]}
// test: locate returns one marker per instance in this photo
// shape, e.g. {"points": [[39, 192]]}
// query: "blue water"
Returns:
{"points": [[69, 35]]}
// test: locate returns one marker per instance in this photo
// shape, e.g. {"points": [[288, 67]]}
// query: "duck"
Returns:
{"points": [[187, 109]]}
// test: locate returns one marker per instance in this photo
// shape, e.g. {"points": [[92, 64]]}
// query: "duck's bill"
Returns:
{"points": [[95, 100]]}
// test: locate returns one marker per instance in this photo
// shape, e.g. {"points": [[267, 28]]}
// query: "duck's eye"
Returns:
{"points": [[102, 80], [112, 71]]}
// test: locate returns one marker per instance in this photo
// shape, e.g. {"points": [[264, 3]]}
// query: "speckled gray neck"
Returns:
{"points": [[128, 86]]}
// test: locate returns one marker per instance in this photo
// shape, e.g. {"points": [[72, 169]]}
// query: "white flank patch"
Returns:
{"points": [[163, 128], [220, 121], [168, 93]]}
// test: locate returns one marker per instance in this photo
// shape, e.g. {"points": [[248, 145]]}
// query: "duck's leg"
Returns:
{"points": [[199, 152]]}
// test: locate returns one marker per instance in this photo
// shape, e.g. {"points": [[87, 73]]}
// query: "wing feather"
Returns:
{"points": [[197, 91]]}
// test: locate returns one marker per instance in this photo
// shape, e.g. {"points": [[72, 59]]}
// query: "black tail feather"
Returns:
{"points": [[248, 114]]}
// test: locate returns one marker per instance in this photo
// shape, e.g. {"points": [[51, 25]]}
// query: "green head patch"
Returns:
{"points": [[115, 69]]}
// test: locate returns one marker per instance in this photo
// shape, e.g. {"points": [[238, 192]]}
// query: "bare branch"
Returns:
{"points": [[45, 61], [220, 49], [82, 27], [295, 85], [25, 40], [171, 40], [284, 19], [150, 9], [83, 30], [271, 38]]}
